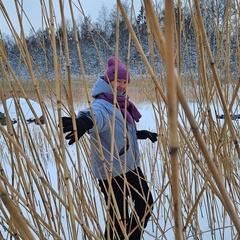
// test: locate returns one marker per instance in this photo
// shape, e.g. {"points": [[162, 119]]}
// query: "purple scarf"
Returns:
{"points": [[132, 112]]}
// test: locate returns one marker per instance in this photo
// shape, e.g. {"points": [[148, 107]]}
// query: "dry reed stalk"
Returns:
{"points": [[58, 97], [6, 111], [19, 149], [11, 141], [53, 203], [88, 98], [89, 102], [161, 43], [172, 116], [216, 78], [17, 218], [148, 66], [211, 165], [85, 84], [223, 131], [153, 77], [226, 201], [81, 193], [22, 201]]}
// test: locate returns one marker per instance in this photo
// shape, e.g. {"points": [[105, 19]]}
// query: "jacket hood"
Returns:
{"points": [[102, 86]]}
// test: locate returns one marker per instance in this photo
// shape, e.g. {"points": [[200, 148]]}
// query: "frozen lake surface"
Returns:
{"points": [[209, 220]]}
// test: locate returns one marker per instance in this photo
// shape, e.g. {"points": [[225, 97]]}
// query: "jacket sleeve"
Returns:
{"points": [[100, 118]]}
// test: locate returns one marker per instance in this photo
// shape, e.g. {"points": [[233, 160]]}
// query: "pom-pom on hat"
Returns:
{"points": [[122, 72]]}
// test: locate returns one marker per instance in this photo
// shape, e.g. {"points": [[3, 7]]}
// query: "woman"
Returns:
{"points": [[117, 164]]}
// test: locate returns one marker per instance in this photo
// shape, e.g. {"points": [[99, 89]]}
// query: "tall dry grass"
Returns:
{"points": [[48, 190]]}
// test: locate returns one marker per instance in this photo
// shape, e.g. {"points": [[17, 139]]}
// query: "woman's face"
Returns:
{"points": [[120, 85]]}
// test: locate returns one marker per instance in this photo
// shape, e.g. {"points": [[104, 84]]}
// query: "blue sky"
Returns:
{"points": [[33, 11]]}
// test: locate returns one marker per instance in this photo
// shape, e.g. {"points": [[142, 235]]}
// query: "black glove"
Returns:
{"points": [[83, 124], [144, 134]]}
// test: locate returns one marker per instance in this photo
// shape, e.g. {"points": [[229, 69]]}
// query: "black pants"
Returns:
{"points": [[137, 189]]}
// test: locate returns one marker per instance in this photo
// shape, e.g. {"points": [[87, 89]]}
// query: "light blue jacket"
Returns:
{"points": [[119, 162]]}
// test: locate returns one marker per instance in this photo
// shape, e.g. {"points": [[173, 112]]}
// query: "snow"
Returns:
{"points": [[26, 110], [161, 225]]}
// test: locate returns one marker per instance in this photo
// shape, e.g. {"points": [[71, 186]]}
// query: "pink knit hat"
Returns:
{"points": [[122, 72]]}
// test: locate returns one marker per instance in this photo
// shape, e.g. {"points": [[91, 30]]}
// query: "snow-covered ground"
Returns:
{"points": [[208, 221]]}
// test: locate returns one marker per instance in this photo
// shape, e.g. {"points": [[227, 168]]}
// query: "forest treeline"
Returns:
{"points": [[97, 40]]}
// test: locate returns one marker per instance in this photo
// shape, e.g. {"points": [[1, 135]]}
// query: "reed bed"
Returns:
{"points": [[47, 188]]}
